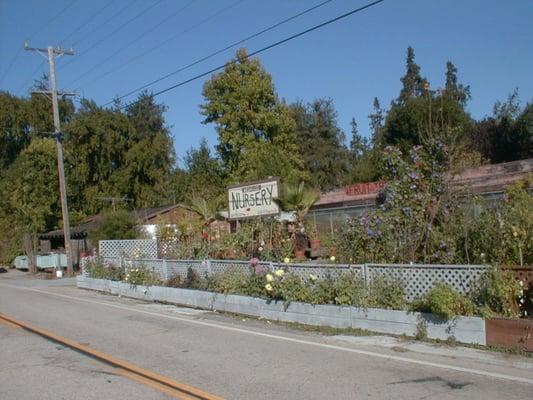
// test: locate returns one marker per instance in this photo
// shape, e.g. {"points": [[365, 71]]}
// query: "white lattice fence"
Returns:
{"points": [[419, 278], [137, 248]]}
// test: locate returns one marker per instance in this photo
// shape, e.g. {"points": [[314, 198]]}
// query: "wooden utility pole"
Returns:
{"points": [[50, 53]]}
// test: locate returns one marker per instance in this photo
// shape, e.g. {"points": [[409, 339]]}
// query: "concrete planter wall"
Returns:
{"points": [[463, 329]]}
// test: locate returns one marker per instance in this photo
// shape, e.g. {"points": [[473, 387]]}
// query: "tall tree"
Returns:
{"points": [[413, 83], [255, 129], [111, 153], [358, 144], [507, 135], [421, 115], [453, 88], [151, 157], [321, 143], [29, 199], [376, 120], [15, 128], [204, 172]]}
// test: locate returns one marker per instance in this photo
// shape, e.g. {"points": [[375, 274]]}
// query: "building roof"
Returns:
{"points": [[479, 180], [92, 222]]}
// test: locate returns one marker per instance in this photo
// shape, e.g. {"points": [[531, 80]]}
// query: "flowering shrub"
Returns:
{"points": [[141, 276], [414, 213], [98, 269]]}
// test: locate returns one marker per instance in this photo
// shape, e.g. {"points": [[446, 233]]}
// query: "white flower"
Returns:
{"points": [[332, 258], [279, 272], [269, 278], [286, 260], [313, 277], [268, 287], [262, 242], [521, 283], [260, 249]]}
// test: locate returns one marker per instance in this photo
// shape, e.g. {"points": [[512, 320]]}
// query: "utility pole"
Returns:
{"points": [[50, 53]]}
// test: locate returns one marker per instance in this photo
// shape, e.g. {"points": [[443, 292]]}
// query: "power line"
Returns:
{"points": [[46, 24], [138, 15], [171, 38], [62, 42], [96, 28], [135, 40], [280, 42], [222, 50], [83, 25]]}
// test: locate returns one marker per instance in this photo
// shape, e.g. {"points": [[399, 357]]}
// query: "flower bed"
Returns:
{"points": [[462, 329]]}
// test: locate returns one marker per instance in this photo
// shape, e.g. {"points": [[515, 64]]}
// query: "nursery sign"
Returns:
{"points": [[255, 199]]}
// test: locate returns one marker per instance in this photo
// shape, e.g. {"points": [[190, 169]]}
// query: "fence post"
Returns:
{"points": [[165, 270], [365, 274], [208, 265]]}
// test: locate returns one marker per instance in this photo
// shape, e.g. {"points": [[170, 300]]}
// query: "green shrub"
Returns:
{"points": [[142, 276], [497, 293], [174, 281], [444, 302], [231, 281], [350, 289], [386, 293], [193, 280], [255, 284], [97, 269]]}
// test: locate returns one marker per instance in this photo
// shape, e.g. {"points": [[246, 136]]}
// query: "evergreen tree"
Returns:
{"points": [[413, 84], [204, 173], [321, 143], [358, 144], [376, 122], [453, 89]]}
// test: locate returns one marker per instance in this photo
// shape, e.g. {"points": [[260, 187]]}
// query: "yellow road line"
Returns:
{"points": [[126, 368]]}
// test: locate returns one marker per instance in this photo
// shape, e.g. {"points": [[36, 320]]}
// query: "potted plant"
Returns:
{"points": [[298, 199], [312, 235]]}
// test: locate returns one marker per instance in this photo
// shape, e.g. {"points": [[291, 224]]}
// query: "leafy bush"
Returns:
{"points": [[174, 281], [497, 293], [445, 302], [350, 289], [386, 293], [142, 276], [232, 280], [97, 269]]}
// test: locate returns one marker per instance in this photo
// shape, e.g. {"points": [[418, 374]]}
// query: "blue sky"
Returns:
{"points": [[351, 61]]}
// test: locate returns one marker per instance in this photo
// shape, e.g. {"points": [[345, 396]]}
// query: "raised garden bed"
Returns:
{"points": [[463, 329]]}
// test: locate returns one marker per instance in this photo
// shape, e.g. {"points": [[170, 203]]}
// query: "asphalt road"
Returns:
{"points": [[236, 358]]}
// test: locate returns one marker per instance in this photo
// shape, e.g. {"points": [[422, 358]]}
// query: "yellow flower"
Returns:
{"points": [[279, 272], [332, 258], [268, 287], [313, 277], [269, 278], [286, 260]]}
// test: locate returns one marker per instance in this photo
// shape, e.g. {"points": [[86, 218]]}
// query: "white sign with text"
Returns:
{"points": [[254, 199]]}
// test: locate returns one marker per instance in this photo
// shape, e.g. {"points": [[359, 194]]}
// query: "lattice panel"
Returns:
{"points": [[180, 267], [419, 279], [321, 271], [139, 248]]}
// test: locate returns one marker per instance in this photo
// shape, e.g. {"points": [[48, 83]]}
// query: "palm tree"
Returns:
{"points": [[297, 198]]}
